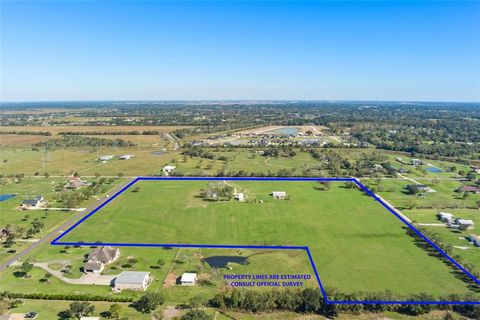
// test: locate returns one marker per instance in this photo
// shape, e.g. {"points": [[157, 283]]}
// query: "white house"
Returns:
{"points": [[446, 217], [188, 279], [106, 158], [279, 195], [132, 280], [416, 162], [168, 169], [126, 157], [36, 202], [239, 196]]}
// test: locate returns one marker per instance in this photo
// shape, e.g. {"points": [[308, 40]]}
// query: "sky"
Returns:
{"points": [[315, 50]]}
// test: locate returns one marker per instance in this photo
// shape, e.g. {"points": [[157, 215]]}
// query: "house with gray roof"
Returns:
{"points": [[132, 280], [98, 258], [36, 202]]}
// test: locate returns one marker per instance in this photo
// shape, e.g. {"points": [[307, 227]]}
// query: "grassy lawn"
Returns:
{"points": [[356, 244]]}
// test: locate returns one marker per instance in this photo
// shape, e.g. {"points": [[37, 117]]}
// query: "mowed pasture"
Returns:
{"points": [[356, 244]]}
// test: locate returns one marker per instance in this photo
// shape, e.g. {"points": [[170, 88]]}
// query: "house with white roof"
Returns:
{"points": [[446, 217], [126, 157], [188, 279], [239, 196], [106, 158], [279, 195], [132, 280]]}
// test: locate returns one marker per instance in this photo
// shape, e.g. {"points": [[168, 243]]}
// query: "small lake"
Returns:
{"points": [[434, 169], [158, 153], [4, 197], [284, 131], [223, 261]]}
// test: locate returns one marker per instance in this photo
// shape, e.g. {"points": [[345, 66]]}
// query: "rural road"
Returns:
{"points": [[55, 232]]}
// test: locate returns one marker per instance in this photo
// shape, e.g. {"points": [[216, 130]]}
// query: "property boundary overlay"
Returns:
{"points": [[362, 187]]}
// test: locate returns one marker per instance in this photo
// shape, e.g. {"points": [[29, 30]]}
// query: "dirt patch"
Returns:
{"points": [[170, 280], [170, 312]]}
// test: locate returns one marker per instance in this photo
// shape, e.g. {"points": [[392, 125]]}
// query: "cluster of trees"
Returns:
{"points": [[72, 199], [81, 141], [198, 152], [109, 133], [217, 191], [27, 133], [67, 297], [310, 300], [281, 151]]}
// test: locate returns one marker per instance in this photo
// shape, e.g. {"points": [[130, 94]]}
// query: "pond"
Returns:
{"points": [[158, 153], [4, 197], [434, 169], [223, 261], [284, 131]]}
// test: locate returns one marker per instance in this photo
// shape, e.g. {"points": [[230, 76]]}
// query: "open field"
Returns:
{"points": [[357, 245], [84, 160], [55, 130]]}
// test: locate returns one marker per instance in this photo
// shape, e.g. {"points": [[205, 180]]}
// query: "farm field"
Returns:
{"points": [[356, 244], [84, 160]]}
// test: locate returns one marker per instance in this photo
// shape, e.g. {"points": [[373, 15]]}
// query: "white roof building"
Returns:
{"points": [[279, 194], [126, 157], [465, 222], [168, 168], [188, 279], [132, 280], [239, 196], [106, 158], [445, 216]]}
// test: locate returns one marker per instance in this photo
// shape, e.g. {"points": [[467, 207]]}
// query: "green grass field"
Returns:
{"points": [[357, 245]]}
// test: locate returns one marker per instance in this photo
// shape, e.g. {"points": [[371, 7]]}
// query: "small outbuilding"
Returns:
{"points": [[279, 195], [126, 157], [106, 158], [132, 280], [188, 279], [239, 196], [168, 169]]}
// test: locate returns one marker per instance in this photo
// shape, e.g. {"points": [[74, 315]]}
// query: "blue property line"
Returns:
{"points": [[306, 248]]}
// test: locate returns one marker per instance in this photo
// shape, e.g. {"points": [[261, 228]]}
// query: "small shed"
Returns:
{"points": [[279, 195], [126, 157], [106, 158], [239, 196], [168, 169], [188, 279]]}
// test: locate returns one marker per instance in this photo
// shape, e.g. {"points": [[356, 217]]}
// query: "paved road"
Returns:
{"points": [[54, 233]]}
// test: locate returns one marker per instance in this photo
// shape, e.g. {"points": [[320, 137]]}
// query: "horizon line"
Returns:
{"points": [[237, 100]]}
